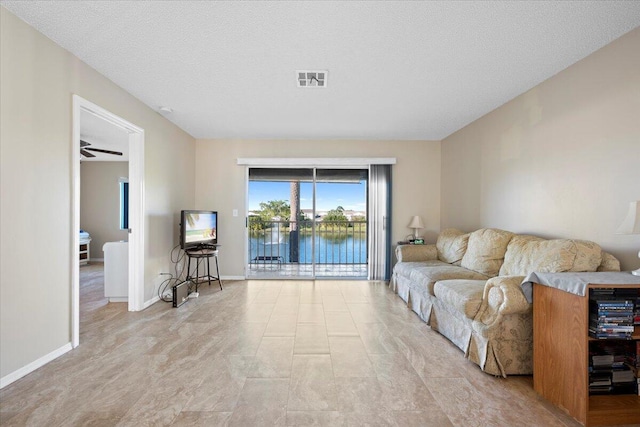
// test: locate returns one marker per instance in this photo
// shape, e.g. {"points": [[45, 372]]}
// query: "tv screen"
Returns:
{"points": [[198, 228]]}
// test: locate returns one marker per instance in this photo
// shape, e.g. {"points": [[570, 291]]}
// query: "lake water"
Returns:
{"points": [[344, 250]]}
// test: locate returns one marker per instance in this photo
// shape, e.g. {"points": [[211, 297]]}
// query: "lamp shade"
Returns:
{"points": [[416, 222], [631, 224]]}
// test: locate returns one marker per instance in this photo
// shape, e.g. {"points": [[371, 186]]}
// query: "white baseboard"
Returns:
{"points": [[152, 301], [233, 278], [16, 375], [118, 299]]}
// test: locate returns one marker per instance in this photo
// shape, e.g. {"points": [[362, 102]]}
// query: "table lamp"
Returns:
{"points": [[631, 225], [416, 223]]}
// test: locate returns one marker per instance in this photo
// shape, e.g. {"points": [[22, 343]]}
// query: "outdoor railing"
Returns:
{"points": [[286, 242]]}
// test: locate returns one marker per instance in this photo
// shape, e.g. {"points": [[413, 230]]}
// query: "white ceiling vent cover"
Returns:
{"points": [[315, 79]]}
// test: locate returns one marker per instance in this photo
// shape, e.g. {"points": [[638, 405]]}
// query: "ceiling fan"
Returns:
{"points": [[86, 151]]}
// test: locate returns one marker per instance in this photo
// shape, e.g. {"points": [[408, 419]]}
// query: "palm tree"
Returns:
{"points": [[294, 216], [192, 218]]}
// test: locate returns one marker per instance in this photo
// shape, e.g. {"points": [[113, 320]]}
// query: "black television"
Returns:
{"points": [[198, 228]]}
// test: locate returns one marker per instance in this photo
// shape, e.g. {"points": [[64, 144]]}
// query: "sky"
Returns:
{"points": [[328, 195]]}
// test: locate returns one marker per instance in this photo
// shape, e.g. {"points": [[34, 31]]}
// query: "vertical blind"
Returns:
{"points": [[379, 222]]}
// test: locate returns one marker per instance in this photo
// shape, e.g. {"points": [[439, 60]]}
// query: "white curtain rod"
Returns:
{"points": [[310, 161]]}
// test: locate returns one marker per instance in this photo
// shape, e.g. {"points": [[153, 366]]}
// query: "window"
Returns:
{"points": [[124, 203]]}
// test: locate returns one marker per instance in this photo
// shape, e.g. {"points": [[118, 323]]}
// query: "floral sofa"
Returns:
{"points": [[468, 288]]}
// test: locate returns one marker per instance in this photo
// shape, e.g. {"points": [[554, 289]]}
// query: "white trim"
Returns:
{"points": [[25, 370], [136, 220], [75, 223], [136, 210], [315, 162], [233, 277], [246, 222], [149, 303], [118, 299]]}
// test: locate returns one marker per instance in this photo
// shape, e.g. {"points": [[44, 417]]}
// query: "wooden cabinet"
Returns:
{"points": [[561, 359]]}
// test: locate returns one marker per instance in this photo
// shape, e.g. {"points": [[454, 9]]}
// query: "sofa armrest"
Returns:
{"points": [[416, 253], [502, 295], [609, 263]]}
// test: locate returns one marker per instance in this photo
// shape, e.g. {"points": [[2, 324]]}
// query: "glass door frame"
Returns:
{"points": [[314, 230], [247, 262]]}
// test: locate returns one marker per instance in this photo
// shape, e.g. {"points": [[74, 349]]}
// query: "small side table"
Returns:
{"points": [[199, 253], [85, 250]]}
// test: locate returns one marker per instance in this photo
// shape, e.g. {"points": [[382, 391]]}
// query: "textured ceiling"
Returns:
{"points": [[397, 70]]}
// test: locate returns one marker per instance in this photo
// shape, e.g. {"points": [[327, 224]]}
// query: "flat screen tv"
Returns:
{"points": [[198, 228]]}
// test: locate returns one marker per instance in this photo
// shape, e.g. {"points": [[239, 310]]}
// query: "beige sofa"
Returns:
{"points": [[468, 287]]}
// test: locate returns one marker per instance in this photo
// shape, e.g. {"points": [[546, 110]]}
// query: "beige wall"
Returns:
{"points": [[100, 203], [221, 183], [38, 79], [561, 160]]}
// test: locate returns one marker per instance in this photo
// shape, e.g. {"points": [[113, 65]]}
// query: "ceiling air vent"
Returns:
{"points": [[312, 78]]}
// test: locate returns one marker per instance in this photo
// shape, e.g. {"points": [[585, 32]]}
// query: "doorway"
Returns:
{"points": [[135, 141], [306, 223], [104, 171]]}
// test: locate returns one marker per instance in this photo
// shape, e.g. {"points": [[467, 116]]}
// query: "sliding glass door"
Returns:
{"points": [[307, 223], [341, 226]]}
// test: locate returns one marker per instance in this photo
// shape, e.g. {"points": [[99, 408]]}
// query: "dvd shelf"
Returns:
{"points": [[613, 355], [587, 352], [611, 313], [613, 367]]}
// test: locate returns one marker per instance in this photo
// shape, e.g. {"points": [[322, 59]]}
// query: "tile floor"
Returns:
{"points": [[265, 353], [277, 270]]}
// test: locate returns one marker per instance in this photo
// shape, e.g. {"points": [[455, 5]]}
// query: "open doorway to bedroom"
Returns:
{"points": [[104, 171], [101, 141]]}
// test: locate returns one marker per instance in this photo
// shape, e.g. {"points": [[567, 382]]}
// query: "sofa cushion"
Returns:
{"points": [[485, 251], [526, 254], [464, 296], [451, 245], [588, 256], [426, 275], [406, 268]]}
